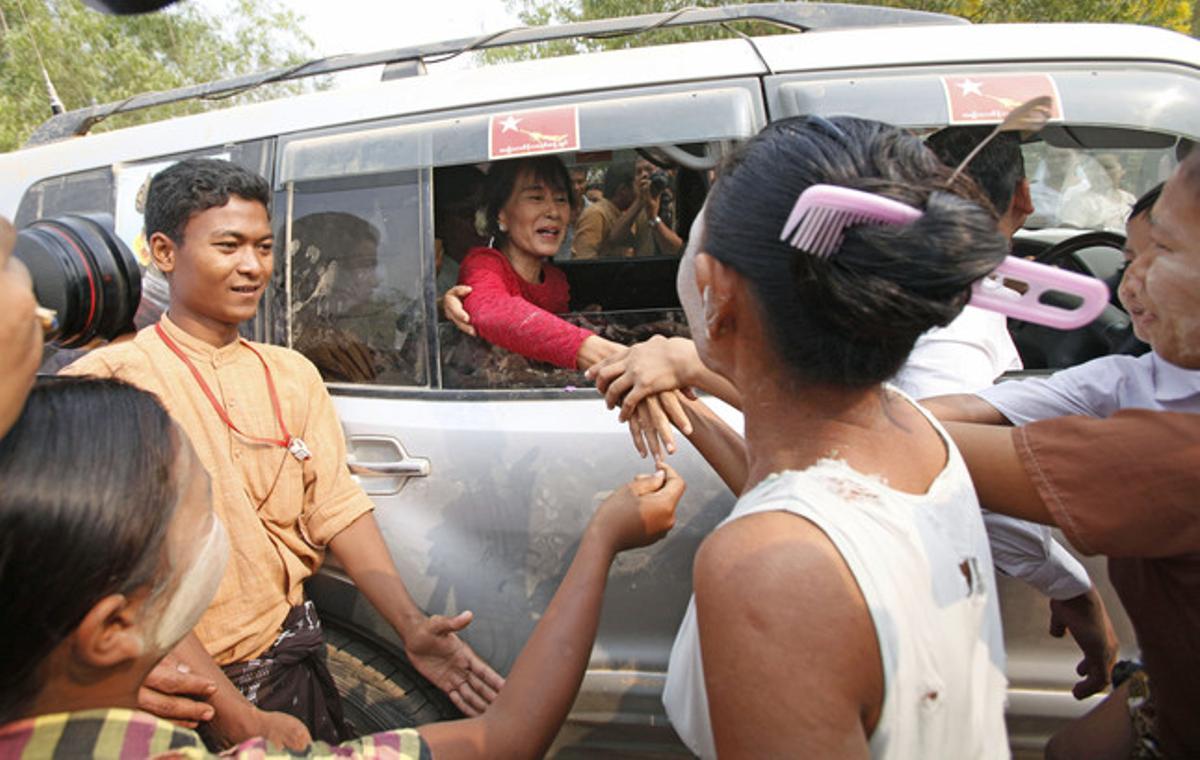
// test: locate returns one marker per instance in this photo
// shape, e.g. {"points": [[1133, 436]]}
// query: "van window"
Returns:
{"points": [[89, 192], [350, 274], [621, 288]]}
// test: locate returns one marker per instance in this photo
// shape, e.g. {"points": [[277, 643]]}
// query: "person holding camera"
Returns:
{"points": [[627, 221], [266, 431], [20, 331]]}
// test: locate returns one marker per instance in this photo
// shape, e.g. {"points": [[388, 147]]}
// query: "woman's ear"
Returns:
{"points": [[162, 250], [717, 284], [109, 633]]}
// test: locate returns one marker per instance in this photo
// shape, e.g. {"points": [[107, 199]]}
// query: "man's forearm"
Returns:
{"points": [[361, 550], [668, 241], [1000, 479], [964, 407], [620, 229]]}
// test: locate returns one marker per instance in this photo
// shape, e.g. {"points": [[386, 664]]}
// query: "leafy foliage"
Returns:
{"points": [[95, 58], [1180, 15]]}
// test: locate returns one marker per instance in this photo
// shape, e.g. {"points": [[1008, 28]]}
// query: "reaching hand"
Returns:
{"points": [[232, 727], [20, 331], [446, 660], [650, 424], [283, 730], [641, 511], [171, 691], [1087, 620], [652, 366], [452, 307]]}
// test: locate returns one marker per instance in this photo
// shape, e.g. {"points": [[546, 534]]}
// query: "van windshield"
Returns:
{"points": [[1090, 189]]}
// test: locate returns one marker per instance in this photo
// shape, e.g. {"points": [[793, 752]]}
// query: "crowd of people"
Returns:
{"points": [[157, 582]]}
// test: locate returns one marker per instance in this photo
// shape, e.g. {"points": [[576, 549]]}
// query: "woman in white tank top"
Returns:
{"points": [[847, 607]]}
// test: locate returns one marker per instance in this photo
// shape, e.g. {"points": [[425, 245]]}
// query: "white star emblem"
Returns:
{"points": [[509, 124], [969, 87]]}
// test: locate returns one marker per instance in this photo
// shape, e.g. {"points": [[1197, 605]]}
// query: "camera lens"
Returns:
{"points": [[82, 271], [659, 181]]}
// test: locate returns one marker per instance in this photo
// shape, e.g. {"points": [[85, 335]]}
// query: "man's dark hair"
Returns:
{"points": [[617, 176], [1147, 201], [89, 490], [502, 178], [850, 319], [998, 167], [456, 184], [195, 185]]}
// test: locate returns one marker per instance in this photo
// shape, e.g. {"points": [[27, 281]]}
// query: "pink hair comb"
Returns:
{"points": [[818, 223], [1085, 297], [822, 213]]}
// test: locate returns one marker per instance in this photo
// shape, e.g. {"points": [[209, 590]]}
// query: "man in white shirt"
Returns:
{"points": [[967, 356]]}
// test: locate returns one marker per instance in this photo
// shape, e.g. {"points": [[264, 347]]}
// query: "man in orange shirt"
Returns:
{"points": [[266, 430]]}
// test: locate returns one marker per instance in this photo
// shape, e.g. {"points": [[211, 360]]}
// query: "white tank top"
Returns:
{"points": [[939, 633]]}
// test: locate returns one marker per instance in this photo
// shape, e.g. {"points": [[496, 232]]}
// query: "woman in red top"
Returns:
{"points": [[515, 290]]}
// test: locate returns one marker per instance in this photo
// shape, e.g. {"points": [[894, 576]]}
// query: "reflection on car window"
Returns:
{"points": [[1090, 189], [357, 298]]}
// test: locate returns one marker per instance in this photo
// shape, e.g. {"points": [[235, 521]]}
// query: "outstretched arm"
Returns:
{"points": [[964, 407], [543, 682], [654, 366], [431, 642], [513, 323], [1000, 480]]}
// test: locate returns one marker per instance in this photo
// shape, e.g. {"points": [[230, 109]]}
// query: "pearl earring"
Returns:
{"points": [[503, 227]]}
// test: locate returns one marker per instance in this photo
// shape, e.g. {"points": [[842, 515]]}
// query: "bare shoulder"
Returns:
{"points": [[787, 641], [766, 549]]}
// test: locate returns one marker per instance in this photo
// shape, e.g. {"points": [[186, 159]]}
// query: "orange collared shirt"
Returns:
{"points": [[279, 512]]}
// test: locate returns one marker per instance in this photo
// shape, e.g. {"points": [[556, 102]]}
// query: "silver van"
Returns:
{"points": [[483, 468]]}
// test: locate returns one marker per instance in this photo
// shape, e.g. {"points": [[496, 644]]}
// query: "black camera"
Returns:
{"points": [[84, 273], [659, 181]]}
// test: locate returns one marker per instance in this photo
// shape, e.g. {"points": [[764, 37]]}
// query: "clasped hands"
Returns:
{"points": [[651, 383]]}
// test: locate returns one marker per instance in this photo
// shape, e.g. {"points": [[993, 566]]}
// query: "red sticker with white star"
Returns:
{"points": [[987, 98], [522, 133]]}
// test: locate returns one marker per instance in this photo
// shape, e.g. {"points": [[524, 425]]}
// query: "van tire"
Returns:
{"points": [[381, 690]]}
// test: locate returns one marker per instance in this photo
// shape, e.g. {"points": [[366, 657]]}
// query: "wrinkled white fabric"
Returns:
{"points": [[939, 633]]}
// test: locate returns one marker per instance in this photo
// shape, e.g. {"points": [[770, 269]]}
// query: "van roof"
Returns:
{"points": [[849, 51], [792, 16]]}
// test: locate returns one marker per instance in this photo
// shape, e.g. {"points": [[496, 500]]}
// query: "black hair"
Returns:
{"points": [[189, 187], [502, 178], [852, 318], [617, 176], [456, 184], [1189, 173], [1147, 201], [996, 169], [89, 491]]}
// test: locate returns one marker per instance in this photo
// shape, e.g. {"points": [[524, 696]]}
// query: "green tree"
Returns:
{"points": [[1180, 15], [96, 58]]}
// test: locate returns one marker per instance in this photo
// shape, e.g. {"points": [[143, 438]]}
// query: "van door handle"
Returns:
{"points": [[412, 467], [381, 464]]}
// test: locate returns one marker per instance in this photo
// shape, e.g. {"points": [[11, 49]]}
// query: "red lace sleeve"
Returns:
{"points": [[503, 316]]}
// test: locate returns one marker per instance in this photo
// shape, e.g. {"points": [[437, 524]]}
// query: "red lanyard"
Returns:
{"points": [[294, 445]]}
